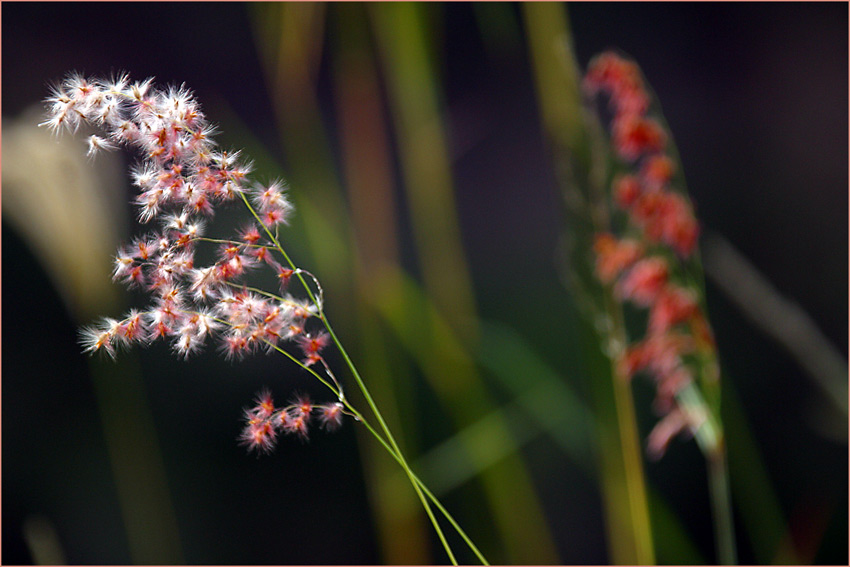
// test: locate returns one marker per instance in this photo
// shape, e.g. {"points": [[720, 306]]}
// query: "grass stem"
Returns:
{"points": [[389, 443]]}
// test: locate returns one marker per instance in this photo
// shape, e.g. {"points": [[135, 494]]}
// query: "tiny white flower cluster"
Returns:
{"points": [[181, 177], [180, 166]]}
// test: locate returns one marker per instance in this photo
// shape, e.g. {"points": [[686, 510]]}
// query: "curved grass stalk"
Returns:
{"points": [[389, 442], [397, 456]]}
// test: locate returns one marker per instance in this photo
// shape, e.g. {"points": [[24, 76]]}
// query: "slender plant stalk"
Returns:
{"points": [[630, 446], [721, 505], [390, 449], [557, 77], [633, 467], [372, 208], [428, 493], [396, 450], [389, 443], [710, 439]]}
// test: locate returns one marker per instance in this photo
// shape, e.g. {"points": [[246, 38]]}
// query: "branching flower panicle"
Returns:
{"points": [[182, 177]]}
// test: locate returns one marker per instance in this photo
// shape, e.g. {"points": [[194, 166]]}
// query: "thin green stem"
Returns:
{"points": [[638, 501], [721, 505], [400, 459], [225, 241], [279, 248], [351, 410], [710, 439], [425, 489], [259, 291], [305, 367], [396, 451]]}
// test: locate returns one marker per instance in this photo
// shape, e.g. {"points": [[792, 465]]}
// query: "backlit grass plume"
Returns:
{"points": [[647, 257], [182, 176]]}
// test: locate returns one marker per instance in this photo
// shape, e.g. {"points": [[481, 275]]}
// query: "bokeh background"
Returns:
{"points": [[412, 140]]}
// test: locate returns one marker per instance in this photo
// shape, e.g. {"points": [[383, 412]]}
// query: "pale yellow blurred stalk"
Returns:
{"points": [[57, 201], [564, 119]]}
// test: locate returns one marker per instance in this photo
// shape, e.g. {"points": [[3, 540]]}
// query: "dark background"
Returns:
{"points": [[756, 97]]}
